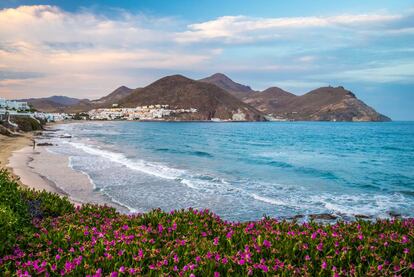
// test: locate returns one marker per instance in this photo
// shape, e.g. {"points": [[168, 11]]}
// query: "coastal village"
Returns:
{"points": [[22, 109], [156, 112], [150, 112]]}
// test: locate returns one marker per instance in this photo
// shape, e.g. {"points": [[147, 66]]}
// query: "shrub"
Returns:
{"points": [[19, 206], [101, 242], [27, 124], [45, 204]]}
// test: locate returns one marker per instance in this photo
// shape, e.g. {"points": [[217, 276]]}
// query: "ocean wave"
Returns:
{"points": [[71, 165], [154, 169], [268, 200], [191, 153], [205, 183]]}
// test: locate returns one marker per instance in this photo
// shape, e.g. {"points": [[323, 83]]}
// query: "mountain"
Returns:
{"points": [[270, 99], [183, 93], [218, 96], [74, 105], [114, 97], [224, 82], [53, 103], [64, 100], [322, 104]]}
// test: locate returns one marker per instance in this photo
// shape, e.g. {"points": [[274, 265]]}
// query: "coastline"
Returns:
{"points": [[9, 145], [40, 169]]}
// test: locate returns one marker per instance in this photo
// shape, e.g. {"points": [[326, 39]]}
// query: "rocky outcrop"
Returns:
{"points": [[326, 104]]}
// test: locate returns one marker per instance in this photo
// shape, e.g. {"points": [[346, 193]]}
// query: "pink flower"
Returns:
{"points": [[57, 257], [216, 241], [379, 267], [267, 244], [216, 274], [122, 269], [360, 236], [405, 239], [114, 274], [324, 265], [319, 247], [242, 262], [224, 260]]}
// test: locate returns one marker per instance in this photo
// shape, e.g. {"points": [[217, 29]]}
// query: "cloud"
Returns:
{"points": [[80, 49], [398, 72], [239, 29], [45, 50]]}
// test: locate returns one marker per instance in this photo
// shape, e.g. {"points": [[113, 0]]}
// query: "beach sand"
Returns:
{"points": [[10, 144], [42, 170]]}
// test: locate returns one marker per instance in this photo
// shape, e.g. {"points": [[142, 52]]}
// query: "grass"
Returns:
{"points": [[99, 241]]}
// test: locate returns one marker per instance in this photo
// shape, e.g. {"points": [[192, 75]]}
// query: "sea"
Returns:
{"points": [[245, 171]]}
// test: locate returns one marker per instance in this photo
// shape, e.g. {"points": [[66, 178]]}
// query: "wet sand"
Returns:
{"points": [[42, 170]]}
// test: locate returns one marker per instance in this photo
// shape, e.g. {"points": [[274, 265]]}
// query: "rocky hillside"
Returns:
{"points": [[322, 104], [114, 97], [270, 99], [222, 81], [74, 105], [53, 103], [183, 93], [218, 96]]}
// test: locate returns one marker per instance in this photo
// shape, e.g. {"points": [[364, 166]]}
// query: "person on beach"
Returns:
{"points": [[34, 144]]}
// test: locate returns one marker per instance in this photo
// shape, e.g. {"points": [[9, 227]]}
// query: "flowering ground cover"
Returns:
{"points": [[98, 241]]}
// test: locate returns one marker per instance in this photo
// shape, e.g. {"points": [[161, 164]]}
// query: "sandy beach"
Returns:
{"points": [[41, 169], [8, 145]]}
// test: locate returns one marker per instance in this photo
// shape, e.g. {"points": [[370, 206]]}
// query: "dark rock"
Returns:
{"points": [[45, 144], [323, 216], [394, 214], [362, 216]]}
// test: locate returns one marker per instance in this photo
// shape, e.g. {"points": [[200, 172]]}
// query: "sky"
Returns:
{"points": [[86, 49]]}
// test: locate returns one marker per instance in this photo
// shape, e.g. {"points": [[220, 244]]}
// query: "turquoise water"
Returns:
{"points": [[245, 170]]}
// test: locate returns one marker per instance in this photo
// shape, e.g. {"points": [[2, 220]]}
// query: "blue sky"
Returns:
{"points": [[88, 48]]}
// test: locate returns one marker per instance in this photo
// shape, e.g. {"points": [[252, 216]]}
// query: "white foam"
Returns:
{"points": [[81, 171], [154, 169], [268, 200]]}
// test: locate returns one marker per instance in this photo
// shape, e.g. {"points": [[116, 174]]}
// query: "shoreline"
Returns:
{"points": [[31, 168], [9, 145]]}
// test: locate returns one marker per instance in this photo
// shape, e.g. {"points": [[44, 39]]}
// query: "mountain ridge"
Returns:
{"points": [[181, 92], [321, 104], [223, 81]]}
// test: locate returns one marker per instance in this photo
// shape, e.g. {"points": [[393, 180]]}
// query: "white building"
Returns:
{"points": [[13, 105], [2, 103], [151, 112], [49, 117]]}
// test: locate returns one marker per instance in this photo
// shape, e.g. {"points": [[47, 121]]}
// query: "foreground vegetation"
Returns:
{"points": [[52, 238]]}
